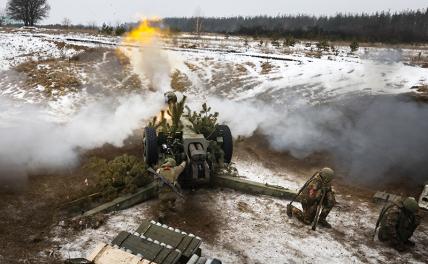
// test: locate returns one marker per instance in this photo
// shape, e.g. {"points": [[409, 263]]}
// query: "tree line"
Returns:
{"points": [[407, 26]]}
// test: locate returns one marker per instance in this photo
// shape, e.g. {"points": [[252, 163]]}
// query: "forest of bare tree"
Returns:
{"points": [[407, 26]]}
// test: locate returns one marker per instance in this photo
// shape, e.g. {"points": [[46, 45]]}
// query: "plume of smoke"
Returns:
{"points": [[148, 59], [29, 140], [367, 137], [236, 114], [151, 63]]}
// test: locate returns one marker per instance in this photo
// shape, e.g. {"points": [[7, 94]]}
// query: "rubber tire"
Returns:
{"points": [[224, 132], [151, 154]]}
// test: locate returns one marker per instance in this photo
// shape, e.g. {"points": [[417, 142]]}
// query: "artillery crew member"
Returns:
{"points": [[167, 196], [398, 222], [316, 192]]}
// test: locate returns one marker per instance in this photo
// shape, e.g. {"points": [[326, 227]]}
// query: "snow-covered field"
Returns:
{"points": [[226, 67], [251, 229], [256, 229]]}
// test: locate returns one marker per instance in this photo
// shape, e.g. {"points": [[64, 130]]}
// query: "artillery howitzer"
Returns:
{"points": [[205, 156], [204, 162], [186, 144]]}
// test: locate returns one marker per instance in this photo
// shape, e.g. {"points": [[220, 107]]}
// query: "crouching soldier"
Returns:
{"points": [[316, 192], [398, 222], [168, 190]]}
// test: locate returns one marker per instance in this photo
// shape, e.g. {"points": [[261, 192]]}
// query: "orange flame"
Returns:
{"points": [[144, 34]]}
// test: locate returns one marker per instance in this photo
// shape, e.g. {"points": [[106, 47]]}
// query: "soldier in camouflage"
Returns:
{"points": [[310, 198], [167, 196], [398, 222]]}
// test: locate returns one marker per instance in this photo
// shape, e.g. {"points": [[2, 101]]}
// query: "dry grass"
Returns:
{"points": [[180, 82], [133, 82], [313, 54], [266, 67], [61, 45], [421, 61], [191, 66], [420, 93], [422, 89], [105, 70], [56, 76], [188, 46], [241, 69], [123, 59], [244, 207]]}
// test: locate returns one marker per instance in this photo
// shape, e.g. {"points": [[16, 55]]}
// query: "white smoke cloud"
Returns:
{"points": [[243, 117], [367, 136], [152, 64], [30, 140]]}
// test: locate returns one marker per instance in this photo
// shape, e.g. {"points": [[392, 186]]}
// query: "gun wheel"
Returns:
{"points": [[227, 146], [151, 154]]}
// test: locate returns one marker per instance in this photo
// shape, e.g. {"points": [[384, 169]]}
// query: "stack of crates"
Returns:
{"points": [[152, 243]]}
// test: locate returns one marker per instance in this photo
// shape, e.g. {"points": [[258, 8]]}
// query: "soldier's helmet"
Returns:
{"points": [[327, 174], [410, 204], [170, 97], [169, 162]]}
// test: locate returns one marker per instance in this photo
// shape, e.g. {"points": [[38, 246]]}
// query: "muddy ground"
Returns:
{"points": [[30, 205]]}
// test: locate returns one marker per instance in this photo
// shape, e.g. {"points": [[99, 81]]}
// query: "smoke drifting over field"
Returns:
{"points": [[29, 140], [370, 138]]}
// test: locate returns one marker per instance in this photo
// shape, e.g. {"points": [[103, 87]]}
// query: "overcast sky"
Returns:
{"points": [[114, 11]]}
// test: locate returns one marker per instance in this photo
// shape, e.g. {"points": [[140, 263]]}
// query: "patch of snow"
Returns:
{"points": [[40, 88], [84, 242], [255, 171]]}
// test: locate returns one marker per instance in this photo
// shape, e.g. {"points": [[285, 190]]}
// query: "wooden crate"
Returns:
{"points": [[187, 244], [149, 250]]}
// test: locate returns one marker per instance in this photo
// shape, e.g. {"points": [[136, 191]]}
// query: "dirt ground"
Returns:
{"points": [[30, 206]]}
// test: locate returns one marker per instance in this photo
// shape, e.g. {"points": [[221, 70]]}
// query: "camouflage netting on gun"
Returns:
{"points": [[175, 111], [123, 174], [204, 122]]}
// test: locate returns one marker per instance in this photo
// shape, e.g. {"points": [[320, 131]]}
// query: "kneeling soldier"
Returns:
{"points": [[398, 222], [316, 192]]}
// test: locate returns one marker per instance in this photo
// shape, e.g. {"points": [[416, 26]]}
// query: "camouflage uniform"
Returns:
{"points": [[397, 226], [310, 198], [167, 196]]}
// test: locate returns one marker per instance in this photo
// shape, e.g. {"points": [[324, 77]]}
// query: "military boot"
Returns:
{"points": [[324, 223], [400, 247], [161, 217]]}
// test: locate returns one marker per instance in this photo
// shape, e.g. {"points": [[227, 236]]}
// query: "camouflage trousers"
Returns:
{"points": [[166, 202], [310, 209], [386, 235]]}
